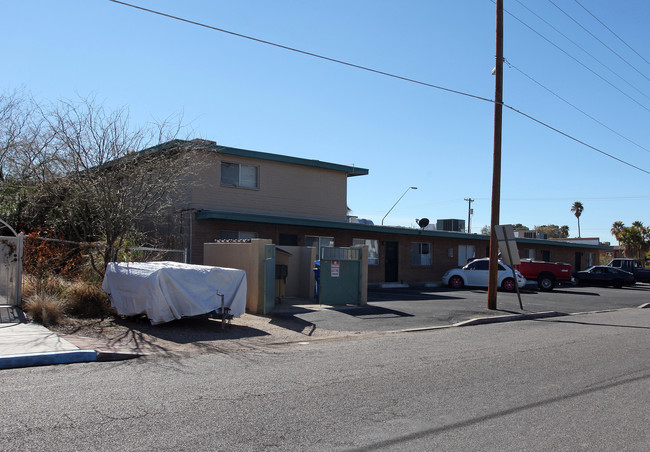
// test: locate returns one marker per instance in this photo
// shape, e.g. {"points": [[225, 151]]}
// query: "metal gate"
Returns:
{"points": [[11, 266]]}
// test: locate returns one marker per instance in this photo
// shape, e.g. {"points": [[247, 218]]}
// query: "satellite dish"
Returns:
{"points": [[423, 223]]}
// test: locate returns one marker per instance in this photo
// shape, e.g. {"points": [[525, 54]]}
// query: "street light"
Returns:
{"points": [[400, 198]]}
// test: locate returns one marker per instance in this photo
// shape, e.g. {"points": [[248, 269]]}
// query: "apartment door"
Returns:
{"points": [[392, 262], [578, 262]]}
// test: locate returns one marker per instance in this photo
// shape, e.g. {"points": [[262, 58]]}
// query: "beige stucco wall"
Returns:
{"points": [[300, 279], [244, 256], [285, 189]]}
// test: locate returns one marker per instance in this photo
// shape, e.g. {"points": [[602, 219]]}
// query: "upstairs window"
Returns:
{"points": [[239, 175]]}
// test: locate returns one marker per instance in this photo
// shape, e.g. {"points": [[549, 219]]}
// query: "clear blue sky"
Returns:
{"points": [[253, 96]]}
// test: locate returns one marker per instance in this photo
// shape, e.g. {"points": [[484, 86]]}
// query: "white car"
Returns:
{"points": [[475, 274]]}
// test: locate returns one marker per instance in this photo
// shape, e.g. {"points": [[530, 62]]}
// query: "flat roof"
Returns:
{"points": [[205, 214]]}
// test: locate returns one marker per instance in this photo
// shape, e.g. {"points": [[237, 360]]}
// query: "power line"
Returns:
{"points": [[315, 55], [612, 32], [576, 60], [387, 74], [583, 49], [575, 107], [572, 198], [596, 38], [575, 139]]}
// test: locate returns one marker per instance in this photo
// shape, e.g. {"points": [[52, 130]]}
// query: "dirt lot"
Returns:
{"points": [[186, 336]]}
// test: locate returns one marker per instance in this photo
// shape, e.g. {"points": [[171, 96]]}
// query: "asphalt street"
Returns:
{"points": [[568, 383], [399, 309]]}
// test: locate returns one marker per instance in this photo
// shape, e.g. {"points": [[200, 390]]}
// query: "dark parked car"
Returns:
{"points": [[600, 275]]}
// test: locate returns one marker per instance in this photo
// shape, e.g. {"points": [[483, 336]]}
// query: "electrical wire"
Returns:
{"points": [[391, 75], [575, 59], [315, 55], [596, 38], [575, 139], [583, 49], [612, 32], [510, 65]]}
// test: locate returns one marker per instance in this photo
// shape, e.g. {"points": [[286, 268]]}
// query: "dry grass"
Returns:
{"points": [[52, 299], [46, 309], [50, 285], [87, 300]]}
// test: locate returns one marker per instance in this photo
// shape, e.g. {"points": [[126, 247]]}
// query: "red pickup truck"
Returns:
{"points": [[547, 274]]}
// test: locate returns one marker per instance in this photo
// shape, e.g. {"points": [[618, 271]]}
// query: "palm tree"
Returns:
{"points": [[616, 230], [577, 209]]}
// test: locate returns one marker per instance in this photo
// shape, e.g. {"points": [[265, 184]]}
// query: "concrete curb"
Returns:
{"points": [[510, 318], [47, 358], [117, 356]]}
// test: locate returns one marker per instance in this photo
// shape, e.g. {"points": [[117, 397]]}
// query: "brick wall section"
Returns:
{"points": [[208, 230]]}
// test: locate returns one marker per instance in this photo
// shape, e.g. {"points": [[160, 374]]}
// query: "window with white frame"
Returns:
{"points": [[373, 249], [589, 260], [239, 175], [318, 243], [465, 253], [421, 254]]}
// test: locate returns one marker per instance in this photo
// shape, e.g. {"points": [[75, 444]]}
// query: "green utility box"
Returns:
{"points": [[343, 276]]}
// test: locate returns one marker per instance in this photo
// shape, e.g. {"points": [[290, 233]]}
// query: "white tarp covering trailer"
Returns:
{"points": [[165, 291]]}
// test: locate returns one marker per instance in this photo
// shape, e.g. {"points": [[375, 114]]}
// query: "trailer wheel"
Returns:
{"points": [[545, 282]]}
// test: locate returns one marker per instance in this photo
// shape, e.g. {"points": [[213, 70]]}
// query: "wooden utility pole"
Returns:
{"points": [[496, 164], [469, 215]]}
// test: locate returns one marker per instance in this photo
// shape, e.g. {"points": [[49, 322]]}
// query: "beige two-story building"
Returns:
{"points": [[235, 194]]}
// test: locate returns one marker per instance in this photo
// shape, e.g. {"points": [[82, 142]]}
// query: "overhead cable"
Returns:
{"points": [[612, 32], [315, 55], [410, 80], [576, 60], [510, 65], [584, 50], [596, 38]]}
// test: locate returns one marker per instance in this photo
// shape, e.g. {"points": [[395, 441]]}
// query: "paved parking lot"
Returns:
{"points": [[399, 309]]}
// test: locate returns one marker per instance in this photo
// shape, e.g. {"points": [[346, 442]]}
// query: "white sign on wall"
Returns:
{"points": [[336, 268]]}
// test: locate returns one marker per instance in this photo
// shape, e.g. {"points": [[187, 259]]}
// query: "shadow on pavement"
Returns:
{"points": [[289, 321], [576, 292], [368, 311], [184, 331]]}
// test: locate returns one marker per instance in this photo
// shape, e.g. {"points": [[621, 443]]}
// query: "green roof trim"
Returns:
{"points": [[349, 170], [329, 224], [212, 146]]}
